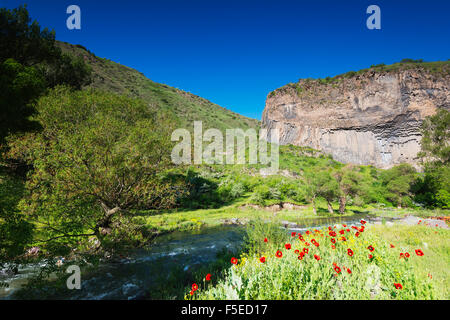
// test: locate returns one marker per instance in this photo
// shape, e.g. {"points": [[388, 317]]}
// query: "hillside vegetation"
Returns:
{"points": [[113, 77]]}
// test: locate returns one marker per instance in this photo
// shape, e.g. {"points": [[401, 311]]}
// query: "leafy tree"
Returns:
{"points": [[349, 181], [436, 138], [398, 182], [98, 158], [30, 62], [433, 187], [322, 184]]}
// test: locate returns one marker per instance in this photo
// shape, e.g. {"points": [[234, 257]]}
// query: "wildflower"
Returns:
{"points": [[430, 276], [191, 293], [308, 232], [297, 251], [332, 234], [398, 286], [208, 277], [316, 257], [419, 252], [350, 252], [392, 246], [279, 254], [370, 248], [333, 240], [343, 238], [307, 244], [194, 287], [262, 259], [333, 247], [234, 260], [370, 256], [341, 232], [300, 237], [305, 250], [337, 269], [316, 244], [406, 254], [344, 225], [349, 271], [287, 246], [265, 239], [293, 234], [357, 234], [363, 222]]}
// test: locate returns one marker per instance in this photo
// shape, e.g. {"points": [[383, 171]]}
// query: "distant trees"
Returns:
{"points": [[398, 182]]}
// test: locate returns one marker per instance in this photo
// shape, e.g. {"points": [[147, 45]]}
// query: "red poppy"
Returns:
{"points": [[300, 257], [370, 248], [194, 287], [392, 246], [316, 244], [297, 251], [287, 246], [234, 260], [308, 232], [332, 234], [370, 256], [192, 293], [305, 250], [265, 239], [402, 255], [313, 241], [306, 243], [300, 237], [262, 259], [398, 286], [419, 252], [293, 234], [333, 247], [316, 257], [329, 227], [279, 254], [341, 232], [357, 234], [348, 230], [343, 238], [350, 252], [349, 271], [344, 225], [363, 222], [208, 277], [333, 240], [337, 269], [407, 254]]}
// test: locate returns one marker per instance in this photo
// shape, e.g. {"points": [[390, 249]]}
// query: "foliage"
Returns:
{"points": [[98, 157]]}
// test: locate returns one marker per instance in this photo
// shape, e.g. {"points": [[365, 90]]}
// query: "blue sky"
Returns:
{"points": [[235, 52]]}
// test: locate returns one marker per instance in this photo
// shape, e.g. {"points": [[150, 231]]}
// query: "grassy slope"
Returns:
{"points": [[111, 76]]}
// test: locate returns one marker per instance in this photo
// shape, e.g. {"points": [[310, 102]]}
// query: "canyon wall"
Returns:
{"points": [[369, 118]]}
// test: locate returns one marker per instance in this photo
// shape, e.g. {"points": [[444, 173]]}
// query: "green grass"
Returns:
{"points": [[371, 278]]}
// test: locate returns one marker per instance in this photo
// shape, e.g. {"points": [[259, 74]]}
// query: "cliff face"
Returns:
{"points": [[369, 118]]}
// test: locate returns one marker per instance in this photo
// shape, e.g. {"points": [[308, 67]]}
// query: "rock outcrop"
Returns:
{"points": [[369, 118]]}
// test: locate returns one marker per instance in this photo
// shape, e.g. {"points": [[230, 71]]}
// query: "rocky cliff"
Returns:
{"points": [[368, 117]]}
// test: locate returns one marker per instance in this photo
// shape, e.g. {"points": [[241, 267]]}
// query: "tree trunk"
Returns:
{"points": [[330, 207], [103, 226], [314, 205], [342, 203]]}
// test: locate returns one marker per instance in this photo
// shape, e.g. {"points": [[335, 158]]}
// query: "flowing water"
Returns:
{"points": [[132, 277]]}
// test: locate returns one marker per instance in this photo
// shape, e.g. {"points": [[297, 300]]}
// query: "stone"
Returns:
{"points": [[372, 118]]}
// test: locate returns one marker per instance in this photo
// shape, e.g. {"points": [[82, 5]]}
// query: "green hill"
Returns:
{"points": [[187, 107]]}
